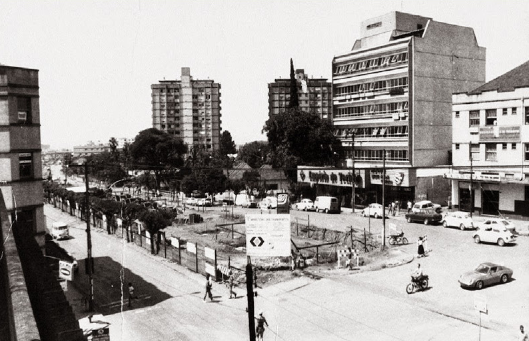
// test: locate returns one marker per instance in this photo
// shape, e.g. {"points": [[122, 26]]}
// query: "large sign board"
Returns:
{"points": [[334, 177], [268, 235], [283, 204]]}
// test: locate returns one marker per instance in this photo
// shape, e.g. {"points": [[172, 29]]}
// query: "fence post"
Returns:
{"points": [[365, 240], [352, 240], [232, 232], [317, 254], [308, 221]]}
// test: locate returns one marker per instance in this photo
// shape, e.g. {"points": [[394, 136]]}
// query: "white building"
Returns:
{"points": [[490, 132]]}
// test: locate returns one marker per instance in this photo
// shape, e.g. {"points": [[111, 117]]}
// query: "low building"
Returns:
{"points": [[91, 148], [490, 146]]}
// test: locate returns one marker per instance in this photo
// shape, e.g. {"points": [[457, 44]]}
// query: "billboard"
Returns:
{"points": [[268, 235]]}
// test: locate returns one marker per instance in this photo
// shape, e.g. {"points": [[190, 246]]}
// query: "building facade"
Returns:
{"points": [[392, 97], [20, 150], [189, 109], [315, 95], [90, 148], [490, 147]]}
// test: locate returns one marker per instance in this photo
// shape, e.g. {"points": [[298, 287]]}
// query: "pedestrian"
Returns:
{"points": [[259, 329], [393, 208], [397, 206], [131, 294], [420, 247], [523, 335], [209, 285], [409, 206], [425, 244], [390, 207], [231, 281]]}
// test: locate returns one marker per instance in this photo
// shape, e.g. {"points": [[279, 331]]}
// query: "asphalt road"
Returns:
{"points": [[366, 306]]}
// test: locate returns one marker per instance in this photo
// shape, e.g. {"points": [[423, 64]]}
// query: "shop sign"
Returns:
{"points": [[499, 134], [475, 177], [334, 177], [394, 177]]}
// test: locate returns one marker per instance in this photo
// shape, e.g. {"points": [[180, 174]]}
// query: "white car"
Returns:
{"points": [[498, 222], [426, 204], [191, 201], [304, 205], [458, 219], [494, 233], [268, 203], [373, 210]]}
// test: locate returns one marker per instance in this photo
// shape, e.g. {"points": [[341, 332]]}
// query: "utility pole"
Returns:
{"points": [[383, 199], [249, 294]]}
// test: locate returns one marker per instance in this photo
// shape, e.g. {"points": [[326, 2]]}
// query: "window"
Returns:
{"points": [[504, 111], [513, 111], [504, 146], [25, 161], [457, 114], [526, 115], [474, 118], [490, 117], [490, 152], [526, 152], [457, 146], [24, 110], [513, 146]]}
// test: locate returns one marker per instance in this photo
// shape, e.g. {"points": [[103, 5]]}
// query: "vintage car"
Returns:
{"points": [[498, 222], [304, 205], [424, 205], [373, 210], [485, 274], [426, 216], [459, 219], [494, 233]]}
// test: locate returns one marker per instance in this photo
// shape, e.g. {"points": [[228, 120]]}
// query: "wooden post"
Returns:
{"points": [[249, 294], [352, 241], [317, 254], [232, 236]]}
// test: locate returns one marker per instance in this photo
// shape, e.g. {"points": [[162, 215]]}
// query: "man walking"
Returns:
{"points": [[209, 285], [259, 329], [131, 294], [230, 283]]}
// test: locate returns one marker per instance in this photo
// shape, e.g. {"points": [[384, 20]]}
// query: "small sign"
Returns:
{"points": [[66, 270], [209, 253], [101, 334], [175, 242], [191, 247], [480, 303], [268, 235], [210, 269]]}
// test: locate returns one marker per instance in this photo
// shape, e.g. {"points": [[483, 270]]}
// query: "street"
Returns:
{"points": [[365, 306]]}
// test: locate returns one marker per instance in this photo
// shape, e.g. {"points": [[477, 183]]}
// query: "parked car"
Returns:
{"points": [[59, 230], [494, 233], [304, 205], [458, 219], [426, 204], [268, 203], [494, 222], [485, 274], [327, 204], [251, 203], [191, 201], [373, 210], [427, 216]]}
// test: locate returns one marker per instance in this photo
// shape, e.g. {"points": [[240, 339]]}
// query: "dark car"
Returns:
{"points": [[426, 216], [485, 274]]}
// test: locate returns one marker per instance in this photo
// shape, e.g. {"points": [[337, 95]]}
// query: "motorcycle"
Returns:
{"points": [[398, 239], [417, 284]]}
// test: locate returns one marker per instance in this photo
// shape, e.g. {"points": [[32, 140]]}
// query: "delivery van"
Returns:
{"points": [[59, 230], [327, 204]]}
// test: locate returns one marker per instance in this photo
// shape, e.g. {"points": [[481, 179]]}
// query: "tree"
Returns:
{"points": [[113, 144], [294, 99], [154, 221], [227, 146], [296, 138], [159, 152], [254, 153], [251, 179]]}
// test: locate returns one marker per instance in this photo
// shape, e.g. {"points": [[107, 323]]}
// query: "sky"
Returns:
{"points": [[98, 59]]}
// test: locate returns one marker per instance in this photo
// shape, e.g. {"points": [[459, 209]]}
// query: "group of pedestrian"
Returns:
{"points": [[394, 208]]}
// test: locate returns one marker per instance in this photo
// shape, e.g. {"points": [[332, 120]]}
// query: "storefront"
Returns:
{"points": [[399, 185]]}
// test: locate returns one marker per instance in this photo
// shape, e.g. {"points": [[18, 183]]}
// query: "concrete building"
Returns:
{"points": [[490, 143], [91, 148], [20, 149], [392, 94], [314, 95], [189, 109]]}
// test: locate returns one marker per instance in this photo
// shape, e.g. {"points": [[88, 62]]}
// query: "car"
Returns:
{"points": [[426, 204], [59, 230], [304, 205], [492, 222], [373, 210], [485, 274], [458, 219], [494, 233], [427, 216], [250, 204], [327, 204], [268, 203], [191, 201]]}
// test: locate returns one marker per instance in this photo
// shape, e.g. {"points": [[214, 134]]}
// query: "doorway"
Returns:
{"points": [[490, 202]]}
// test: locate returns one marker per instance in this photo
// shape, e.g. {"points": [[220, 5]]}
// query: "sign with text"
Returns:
{"points": [[499, 134], [283, 204], [268, 235], [394, 177], [334, 177], [66, 270]]}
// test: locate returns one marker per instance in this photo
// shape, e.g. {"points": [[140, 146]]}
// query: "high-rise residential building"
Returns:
{"points": [[490, 146], [392, 97], [314, 95], [189, 109], [20, 150]]}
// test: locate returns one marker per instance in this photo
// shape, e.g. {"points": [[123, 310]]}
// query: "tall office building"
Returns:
{"points": [[189, 109], [20, 150], [314, 95], [392, 93]]}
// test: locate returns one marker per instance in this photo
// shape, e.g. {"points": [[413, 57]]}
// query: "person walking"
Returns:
{"points": [[259, 329], [523, 335], [231, 283], [420, 247], [393, 208], [131, 294], [209, 285], [409, 206], [390, 208]]}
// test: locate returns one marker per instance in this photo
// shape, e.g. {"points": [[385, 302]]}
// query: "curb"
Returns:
{"points": [[402, 261]]}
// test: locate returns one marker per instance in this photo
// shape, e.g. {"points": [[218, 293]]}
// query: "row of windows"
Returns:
{"points": [[392, 131], [176, 90], [373, 109], [377, 155], [375, 63], [286, 89], [491, 150], [383, 85], [491, 116]]}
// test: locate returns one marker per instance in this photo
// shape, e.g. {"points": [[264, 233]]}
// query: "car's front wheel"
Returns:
{"points": [[375, 215], [408, 220], [477, 240], [426, 221], [479, 285], [501, 242], [504, 279], [445, 225], [462, 227]]}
